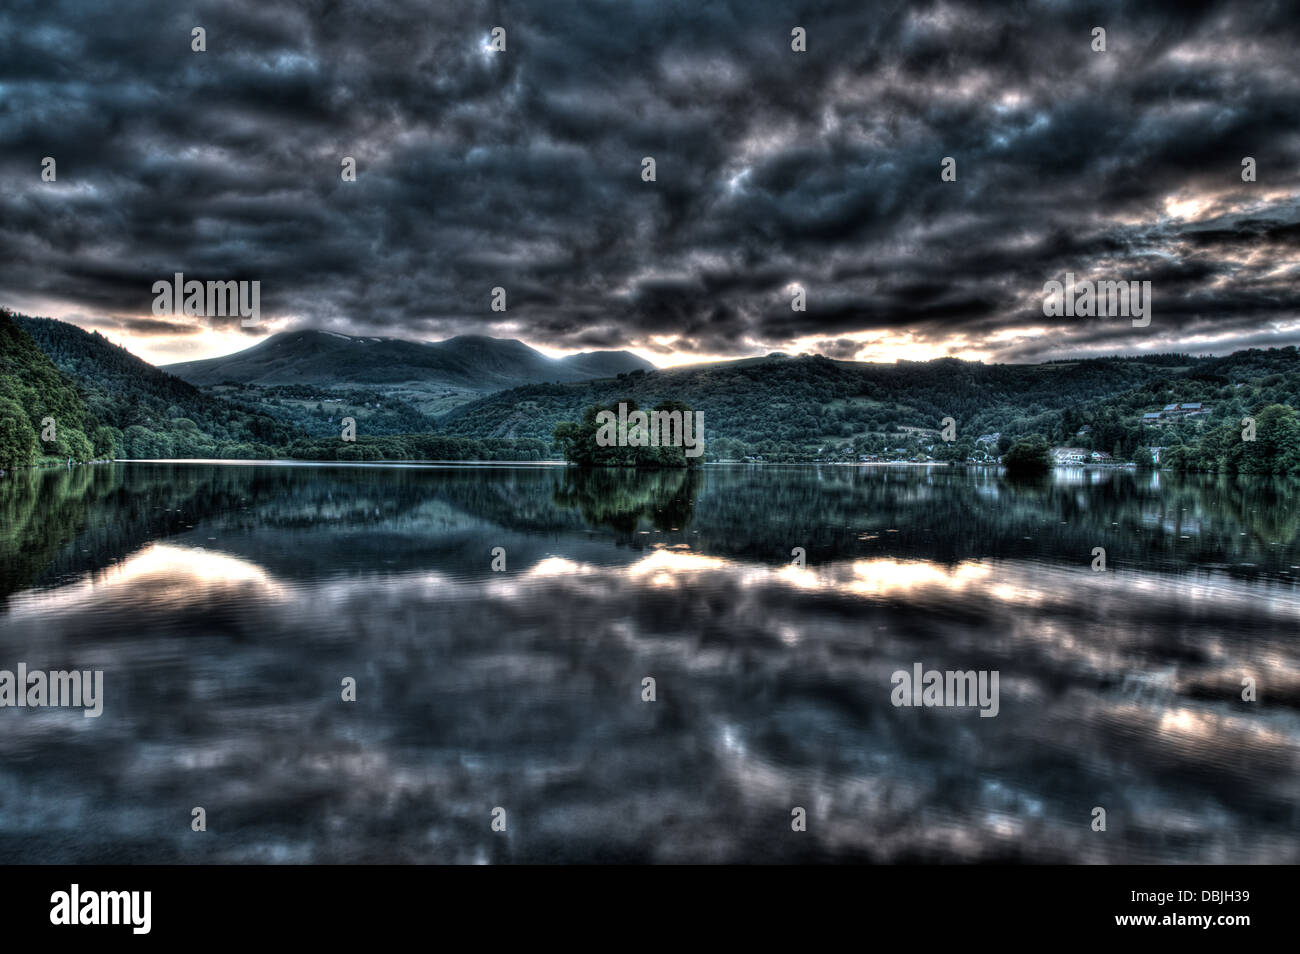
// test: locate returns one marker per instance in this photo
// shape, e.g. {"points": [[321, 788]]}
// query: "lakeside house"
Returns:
{"points": [[1070, 455], [1176, 412]]}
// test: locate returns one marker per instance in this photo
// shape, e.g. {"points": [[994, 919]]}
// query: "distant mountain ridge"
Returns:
{"points": [[471, 362], [780, 406], [776, 407]]}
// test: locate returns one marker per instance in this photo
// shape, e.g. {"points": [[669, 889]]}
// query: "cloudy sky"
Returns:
{"points": [[775, 169]]}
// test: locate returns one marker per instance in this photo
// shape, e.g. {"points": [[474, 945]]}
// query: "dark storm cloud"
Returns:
{"points": [[775, 169]]}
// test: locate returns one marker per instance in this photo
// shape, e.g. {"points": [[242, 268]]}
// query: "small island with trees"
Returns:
{"points": [[620, 435]]}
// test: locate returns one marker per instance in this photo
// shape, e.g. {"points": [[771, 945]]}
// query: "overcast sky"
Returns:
{"points": [[522, 169]]}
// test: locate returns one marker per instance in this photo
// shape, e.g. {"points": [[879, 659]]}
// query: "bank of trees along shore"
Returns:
{"points": [[417, 447], [120, 405], [1274, 450], [105, 402], [1028, 456], [809, 408]]}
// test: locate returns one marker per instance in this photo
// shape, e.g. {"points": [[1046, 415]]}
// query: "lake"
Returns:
{"points": [[227, 603]]}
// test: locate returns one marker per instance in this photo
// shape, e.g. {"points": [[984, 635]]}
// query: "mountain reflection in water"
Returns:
{"points": [[226, 604]]}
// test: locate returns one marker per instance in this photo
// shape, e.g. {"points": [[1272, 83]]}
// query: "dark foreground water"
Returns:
{"points": [[226, 603]]}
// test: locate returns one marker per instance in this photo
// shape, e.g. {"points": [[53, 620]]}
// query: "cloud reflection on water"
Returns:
{"points": [[522, 690]]}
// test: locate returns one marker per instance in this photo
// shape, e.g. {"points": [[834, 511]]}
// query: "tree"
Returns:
{"points": [[107, 442], [1175, 458], [594, 442], [17, 437], [1275, 449], [74, 445], [1029, 455]]}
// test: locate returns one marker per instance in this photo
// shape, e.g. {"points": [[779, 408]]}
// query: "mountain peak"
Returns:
{"points": [[470, 362]]}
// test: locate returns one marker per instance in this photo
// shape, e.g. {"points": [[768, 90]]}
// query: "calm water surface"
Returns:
{"points": [[225, 603]]}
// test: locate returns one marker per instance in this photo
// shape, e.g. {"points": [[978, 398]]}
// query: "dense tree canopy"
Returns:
{"points": [[1029, 455], [41, 414], [610, 436]]}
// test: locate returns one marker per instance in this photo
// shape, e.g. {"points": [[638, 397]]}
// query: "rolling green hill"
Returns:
{"points": [[301, 377], [1263, 385], [108, 402], [37, 399], [765, 404], [147, 412]]}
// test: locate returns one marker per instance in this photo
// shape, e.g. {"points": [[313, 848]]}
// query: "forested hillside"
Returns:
{"points": [[148, 412], [781, 405], [107, 402], [33, 391], [1260, 385], [317, 411], [135, 410]]}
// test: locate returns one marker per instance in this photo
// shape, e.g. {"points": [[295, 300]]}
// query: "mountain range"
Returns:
{"points": [[475, 363], [461, 399]]}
